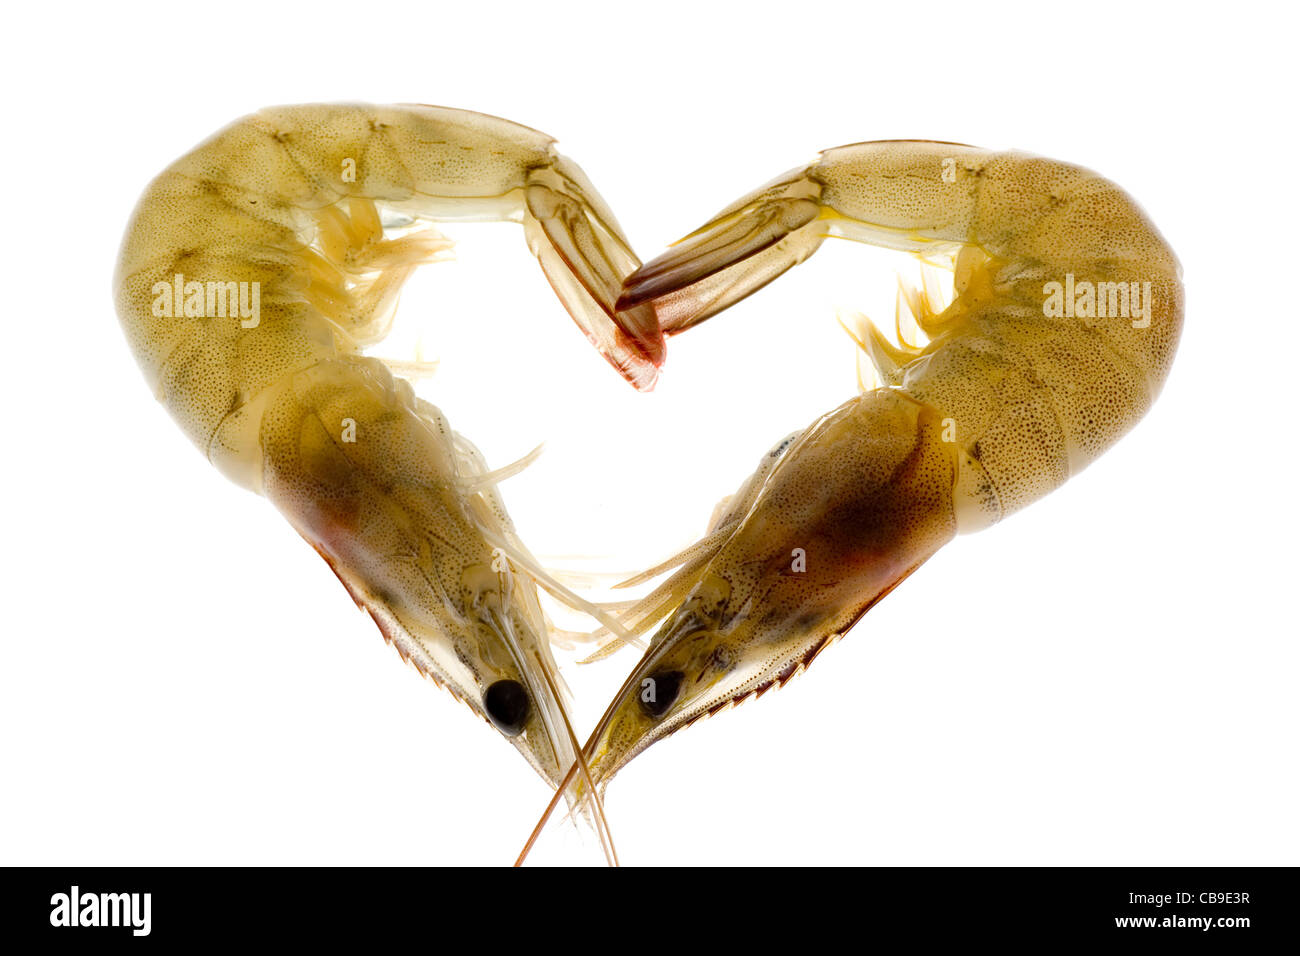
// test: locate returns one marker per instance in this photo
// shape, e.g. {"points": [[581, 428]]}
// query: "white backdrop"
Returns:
{"points": [[1106, 678]]}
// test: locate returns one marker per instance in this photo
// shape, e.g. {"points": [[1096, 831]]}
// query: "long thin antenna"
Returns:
{"points": [[550, 808], [580, 762]]}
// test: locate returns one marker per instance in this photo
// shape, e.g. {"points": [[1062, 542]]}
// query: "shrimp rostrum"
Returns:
{"points": [[255, 270], [1067, 311]]}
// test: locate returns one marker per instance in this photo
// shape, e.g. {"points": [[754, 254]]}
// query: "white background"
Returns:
{"points": [[1109, 677]]}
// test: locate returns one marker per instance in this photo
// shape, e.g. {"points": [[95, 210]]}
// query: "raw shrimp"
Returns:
{"points": [[253, 272], [1067, 311]]}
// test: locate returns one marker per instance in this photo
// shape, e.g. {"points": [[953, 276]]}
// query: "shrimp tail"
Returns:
{"points": [[746, 246], [584, 255]]}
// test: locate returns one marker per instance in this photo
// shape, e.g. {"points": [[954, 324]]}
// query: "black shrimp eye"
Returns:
{"points": [[658, 691], [507, 705]]}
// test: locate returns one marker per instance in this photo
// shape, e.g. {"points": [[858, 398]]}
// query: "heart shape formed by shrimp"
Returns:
{"points": [[258, 266]]}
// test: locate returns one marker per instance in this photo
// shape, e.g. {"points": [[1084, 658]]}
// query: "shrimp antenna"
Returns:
{"points": [[550, 808], [580, 763]]}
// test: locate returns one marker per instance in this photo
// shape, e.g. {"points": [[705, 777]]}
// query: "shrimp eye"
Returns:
{"points": [[507, 705], [659, 691]]}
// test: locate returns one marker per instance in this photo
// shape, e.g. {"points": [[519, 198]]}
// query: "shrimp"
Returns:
{"points": [[255, 269], [1067, 311]]}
